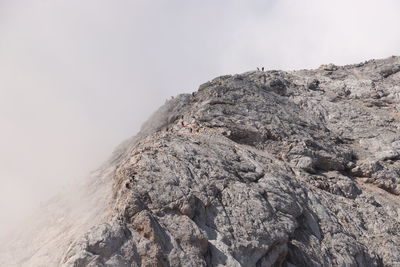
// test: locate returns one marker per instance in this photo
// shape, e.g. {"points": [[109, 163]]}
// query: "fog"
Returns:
{"points": [[79, 77]]}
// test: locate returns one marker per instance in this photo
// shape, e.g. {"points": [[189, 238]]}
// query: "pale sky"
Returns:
{"points": [[77, 77]]}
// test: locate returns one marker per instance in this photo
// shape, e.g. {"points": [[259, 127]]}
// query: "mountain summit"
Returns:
{"points": [[264, 168]]}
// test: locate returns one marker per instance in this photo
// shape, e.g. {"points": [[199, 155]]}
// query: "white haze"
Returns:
{"points": [[79, 76]]}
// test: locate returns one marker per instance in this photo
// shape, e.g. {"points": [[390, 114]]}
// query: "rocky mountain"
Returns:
{"points": [[271, 168]]}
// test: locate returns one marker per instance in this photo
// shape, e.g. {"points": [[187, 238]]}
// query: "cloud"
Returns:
{"points": [[78, 77], [305, 34]]}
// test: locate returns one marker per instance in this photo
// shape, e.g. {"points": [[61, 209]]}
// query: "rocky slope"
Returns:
{"points": [[270, 168]]}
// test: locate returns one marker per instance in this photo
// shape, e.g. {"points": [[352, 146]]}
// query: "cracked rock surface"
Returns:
{"points": [[270, 168]]}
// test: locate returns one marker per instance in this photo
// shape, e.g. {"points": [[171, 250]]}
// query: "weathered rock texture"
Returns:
{"points": [[268, 168]]}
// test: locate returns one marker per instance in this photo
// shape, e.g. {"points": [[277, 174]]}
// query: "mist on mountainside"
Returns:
{"points": [[77, 78]]}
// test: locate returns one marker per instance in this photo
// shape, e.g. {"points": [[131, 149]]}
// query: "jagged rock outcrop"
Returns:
{"points": [[270, 168]]}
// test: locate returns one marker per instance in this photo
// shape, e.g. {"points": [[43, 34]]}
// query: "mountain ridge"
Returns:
{"points": [[271, 168]]}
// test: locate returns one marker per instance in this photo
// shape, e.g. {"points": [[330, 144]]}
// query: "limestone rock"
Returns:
{"points": [[271, 168]]}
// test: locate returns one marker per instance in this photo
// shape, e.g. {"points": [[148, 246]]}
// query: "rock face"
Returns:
{"points": [[267, 168]]}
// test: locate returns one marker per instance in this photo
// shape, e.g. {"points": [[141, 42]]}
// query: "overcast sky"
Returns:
{"points": [[77, 77]]}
